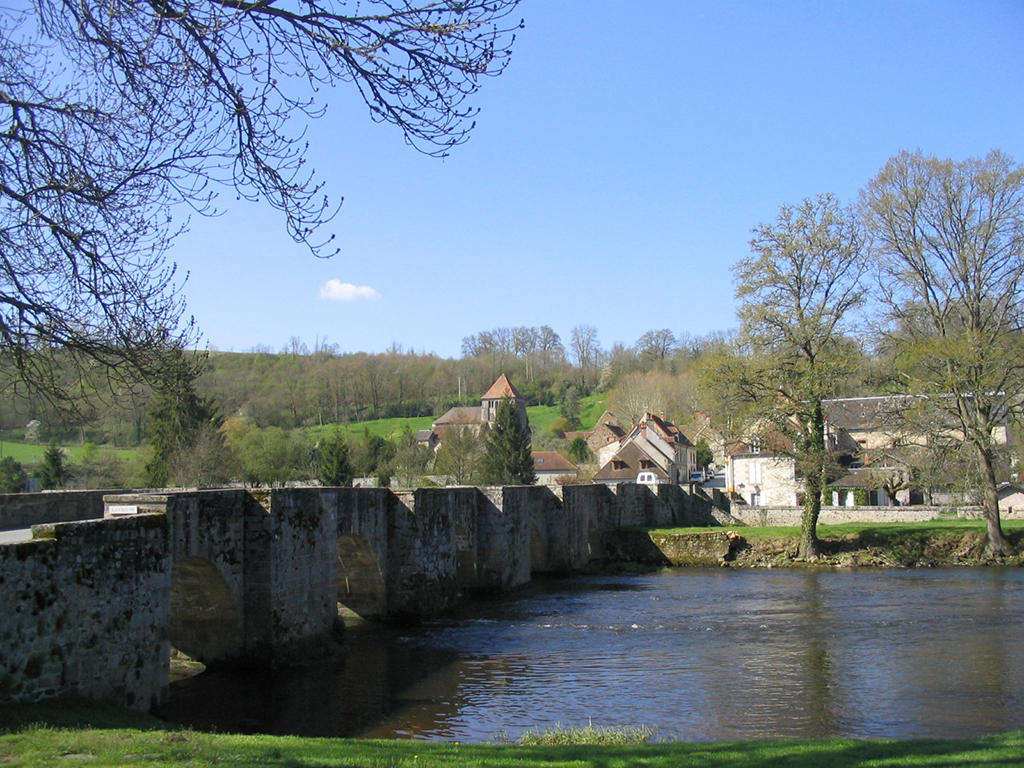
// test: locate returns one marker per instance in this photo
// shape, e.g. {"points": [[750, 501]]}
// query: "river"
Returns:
{"points": [[696, 654]]}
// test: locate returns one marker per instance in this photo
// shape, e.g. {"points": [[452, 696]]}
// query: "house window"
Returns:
{"points": [[646, 464], [617, 464], [755, 472]]}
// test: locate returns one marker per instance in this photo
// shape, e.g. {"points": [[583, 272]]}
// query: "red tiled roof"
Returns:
{"points": [[501, 388]]}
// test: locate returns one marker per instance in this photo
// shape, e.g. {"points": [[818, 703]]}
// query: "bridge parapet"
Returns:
{"points": [[85, 612]]}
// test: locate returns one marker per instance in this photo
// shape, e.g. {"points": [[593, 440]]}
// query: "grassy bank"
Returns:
{"points": [[931, 543], [124, 738]]}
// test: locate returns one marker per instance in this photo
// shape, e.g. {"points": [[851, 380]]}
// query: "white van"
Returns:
{"points": [[646, 478]]}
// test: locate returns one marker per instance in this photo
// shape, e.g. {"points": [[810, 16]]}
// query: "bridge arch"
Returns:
{"points": [[361, 587], [206, 623]]}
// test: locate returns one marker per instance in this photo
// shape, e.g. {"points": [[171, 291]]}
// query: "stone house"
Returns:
{"points": [[1011, 499], [653, 445], [603, 439], [761, 472]]}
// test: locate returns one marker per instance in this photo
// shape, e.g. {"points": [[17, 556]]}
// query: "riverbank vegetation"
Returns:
{"points": [[942, 542], [59, 734]]}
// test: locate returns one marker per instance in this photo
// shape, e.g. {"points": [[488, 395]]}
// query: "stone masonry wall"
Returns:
{"points": [[22, 510], [504, 543], [303, 587], [422, 572], [558, 534], [86, 612], [789, 516]]}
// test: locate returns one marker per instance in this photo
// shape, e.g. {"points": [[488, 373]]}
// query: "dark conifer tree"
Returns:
{"points": [[53, 472], [507, 458], [176, 415], [335, 465]]}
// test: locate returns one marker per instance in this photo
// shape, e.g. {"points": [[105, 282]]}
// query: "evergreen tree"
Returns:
{"points": [[53, 472], [176, 415], [507, 459], [335, 465], [12, 475]]}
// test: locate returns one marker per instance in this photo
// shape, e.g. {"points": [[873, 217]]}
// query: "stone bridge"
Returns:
{"points": [[109, 584]]}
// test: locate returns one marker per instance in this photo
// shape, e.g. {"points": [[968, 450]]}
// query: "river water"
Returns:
{"points": [[697, 654]]}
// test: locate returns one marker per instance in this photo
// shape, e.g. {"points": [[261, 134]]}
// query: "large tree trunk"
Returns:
{"points": [[995, 544], [808, 548]]}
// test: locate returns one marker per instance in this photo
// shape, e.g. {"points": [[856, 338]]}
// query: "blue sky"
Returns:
{"points": [[615, 172]]}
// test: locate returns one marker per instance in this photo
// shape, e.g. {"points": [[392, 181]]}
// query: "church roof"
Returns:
{"points": [[500, 389], [459, 415]]}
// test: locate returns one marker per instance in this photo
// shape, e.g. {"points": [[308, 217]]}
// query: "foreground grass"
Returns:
{"points": [[73, 732], [42, 746]]}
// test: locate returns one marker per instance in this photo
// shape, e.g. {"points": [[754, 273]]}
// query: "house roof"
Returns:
{"points": [[460, 415], [551, 461], [771, 443], [668, 430], [865, 413], [630, 456], [1006, 489], [500, 389]]}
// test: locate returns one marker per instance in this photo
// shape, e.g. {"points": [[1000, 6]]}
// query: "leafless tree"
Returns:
{"points": [[948, 243], [585, 349], [114, 112], [798, 291]]}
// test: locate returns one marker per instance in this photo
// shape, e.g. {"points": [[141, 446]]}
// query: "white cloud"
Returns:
{"points": [[335, 290]]}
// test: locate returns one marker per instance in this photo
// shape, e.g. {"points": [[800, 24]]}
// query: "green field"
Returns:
{"points": [[31, 453], [541, 417]]}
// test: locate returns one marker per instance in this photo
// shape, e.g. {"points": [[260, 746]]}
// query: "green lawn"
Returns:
{"points": [[121, 747], [543, 416]]}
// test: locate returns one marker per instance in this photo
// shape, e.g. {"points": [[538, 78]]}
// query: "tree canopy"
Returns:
{"points": [[948, 241], [114, 113], [798, 289]]}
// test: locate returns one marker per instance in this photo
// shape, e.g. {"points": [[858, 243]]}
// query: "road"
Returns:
{"points": [[15, 535]]}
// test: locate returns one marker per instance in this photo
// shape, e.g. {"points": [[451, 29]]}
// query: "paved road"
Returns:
{"points": [[14, 535]]}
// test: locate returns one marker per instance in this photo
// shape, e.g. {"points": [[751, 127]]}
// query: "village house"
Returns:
{"points": [[874, 447], [603, 440], [655, 447], [552, 468], [761, 471]]}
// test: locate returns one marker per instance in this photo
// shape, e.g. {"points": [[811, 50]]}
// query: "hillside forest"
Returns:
{"points": [[257, 417]]}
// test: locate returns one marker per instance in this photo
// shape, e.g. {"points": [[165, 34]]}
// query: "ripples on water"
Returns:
{"points": [[697, 654]]}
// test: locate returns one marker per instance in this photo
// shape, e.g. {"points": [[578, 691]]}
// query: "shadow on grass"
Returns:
{"points": [[72, 712]]}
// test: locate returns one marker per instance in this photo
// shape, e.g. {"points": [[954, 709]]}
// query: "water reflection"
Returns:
{"points": [[697, 654]]}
